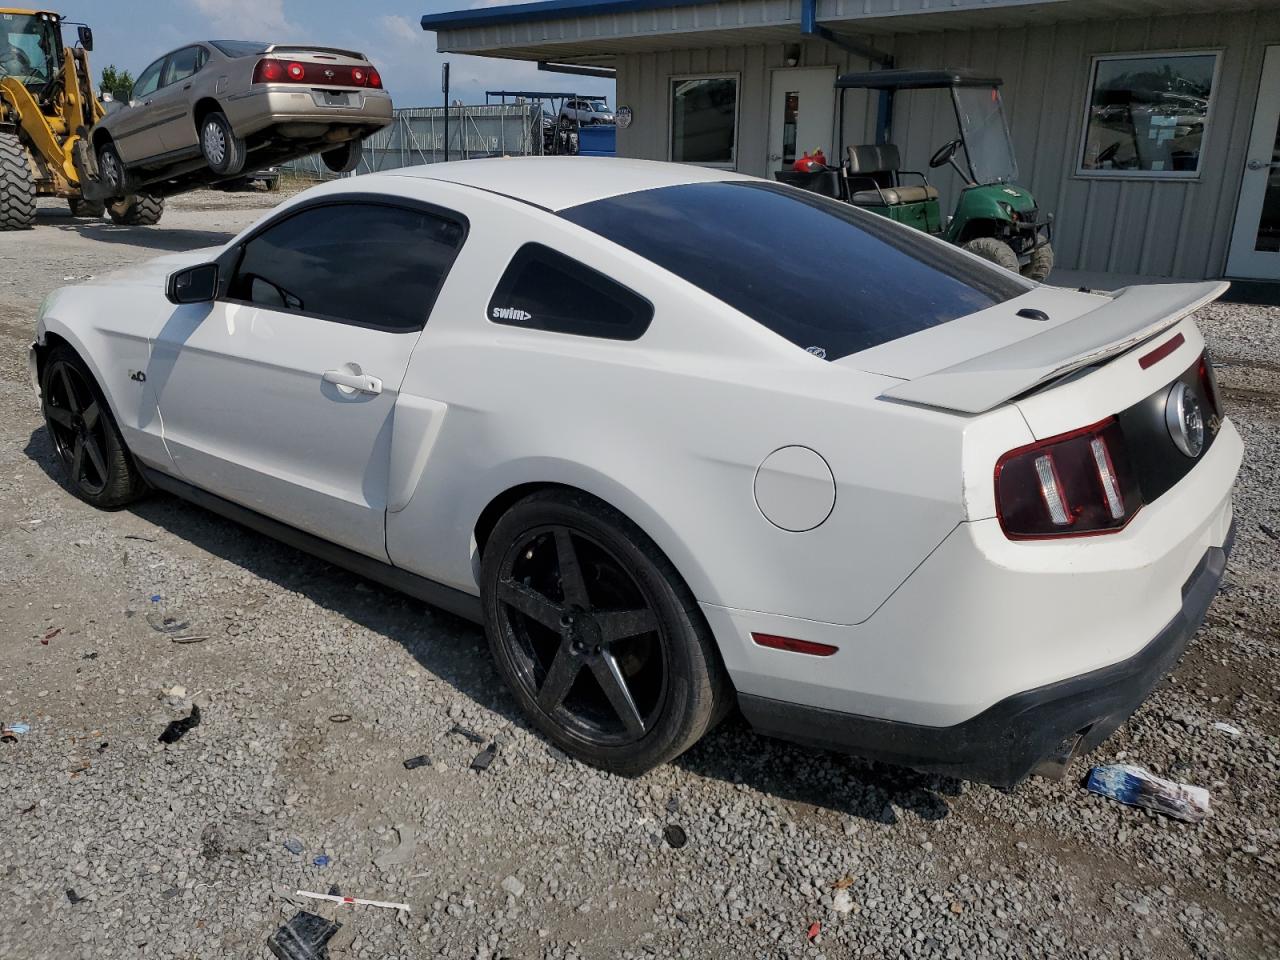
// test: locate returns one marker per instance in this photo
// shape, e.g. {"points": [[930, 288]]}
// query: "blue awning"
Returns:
{"points": [[546, 10]]}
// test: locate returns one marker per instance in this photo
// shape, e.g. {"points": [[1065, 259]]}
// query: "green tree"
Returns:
{"points": [[118, 83]]}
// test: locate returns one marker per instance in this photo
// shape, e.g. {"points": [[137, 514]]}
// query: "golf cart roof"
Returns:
{"points": [[916, 79]]}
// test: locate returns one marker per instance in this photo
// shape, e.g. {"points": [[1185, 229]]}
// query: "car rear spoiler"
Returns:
{"points": [[1132, 315], [311, 48]]}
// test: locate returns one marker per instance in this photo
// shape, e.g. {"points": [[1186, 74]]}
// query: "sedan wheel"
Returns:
{"points": [[111, 171], [223, 151], [85, 436], [596, 634]]}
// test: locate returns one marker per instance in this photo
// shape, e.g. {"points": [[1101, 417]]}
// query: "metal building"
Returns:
{"points": [[1148, 127]]}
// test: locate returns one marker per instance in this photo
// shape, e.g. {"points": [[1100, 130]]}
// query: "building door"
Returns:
{"points": [[1255, 242], [802, 109]]}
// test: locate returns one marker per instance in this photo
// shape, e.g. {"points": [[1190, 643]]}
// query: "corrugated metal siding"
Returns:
{"points": [[1159, 228]]}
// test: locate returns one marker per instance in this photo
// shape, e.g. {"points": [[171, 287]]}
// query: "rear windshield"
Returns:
{"points": [[830, 278], [240, 48]]}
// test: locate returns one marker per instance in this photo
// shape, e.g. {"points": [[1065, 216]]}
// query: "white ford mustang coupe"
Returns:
{"points": [[682, 439]]}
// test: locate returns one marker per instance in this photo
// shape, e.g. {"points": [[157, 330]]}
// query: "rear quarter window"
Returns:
{"points": [[542, 289], [828, 277]]}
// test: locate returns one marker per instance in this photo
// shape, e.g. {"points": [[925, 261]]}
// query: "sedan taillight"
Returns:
{"points": [[315, 74], [1072, 485]]}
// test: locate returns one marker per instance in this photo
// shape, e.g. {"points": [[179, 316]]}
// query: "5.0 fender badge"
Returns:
{"points": [[138, 376]]}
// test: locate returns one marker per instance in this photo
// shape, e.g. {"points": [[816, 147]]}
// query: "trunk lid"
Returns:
{"points": [[985, 359]]}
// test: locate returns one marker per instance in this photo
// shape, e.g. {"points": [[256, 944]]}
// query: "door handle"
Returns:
{"points": [[356, 382], [775, 156], [186, 86], [1261, 164]]}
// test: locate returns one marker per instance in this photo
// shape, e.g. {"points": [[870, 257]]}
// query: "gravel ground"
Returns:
{"points": [[115, 845]]}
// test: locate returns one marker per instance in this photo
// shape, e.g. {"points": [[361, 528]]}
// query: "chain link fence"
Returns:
{"points": [[416, 135]]}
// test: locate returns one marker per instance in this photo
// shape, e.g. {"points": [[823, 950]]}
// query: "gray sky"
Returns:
{"points": [[132, 33]]}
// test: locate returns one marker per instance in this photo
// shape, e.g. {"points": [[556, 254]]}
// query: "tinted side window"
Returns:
{"points": [[545, 290], [827, 276], [363, 263], [148, 80]]}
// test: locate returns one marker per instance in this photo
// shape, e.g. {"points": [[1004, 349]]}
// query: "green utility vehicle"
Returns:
{"points": [[994, 218]]}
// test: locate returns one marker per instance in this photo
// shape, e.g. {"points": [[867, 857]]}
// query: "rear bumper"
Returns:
{"points": [[267, 105], [1038, 729]]}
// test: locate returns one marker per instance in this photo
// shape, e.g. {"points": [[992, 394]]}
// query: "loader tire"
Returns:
{"points": [[137, 210], [17, 185], [90, 209]]}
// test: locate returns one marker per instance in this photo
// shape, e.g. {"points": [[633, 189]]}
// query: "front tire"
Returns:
{"points": [[89, 209], [1040, 265], [17, 185], [111, 170], [137, 210], [94, 458], [345, 158], [997, 251], [223, 151], [597, 635]]}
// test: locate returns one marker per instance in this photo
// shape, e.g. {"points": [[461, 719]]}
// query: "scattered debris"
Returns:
{"points": [[29, 809], [75, 897], [90, 656], [177, 729], [10, 732], [484, 758], [356, 901], [304, 937], [957, 907], [162, 621], [340, 718], [673, 804], [842, 901], [403, 852], [1228, 729], [844, 883], [50, 635], [192, 639], [138, 536], [513, 886], [294, 846], [675, 836], [322, 861], [815, 928], [464, 732], [1139, 787], [413, 763], [102, 747]]}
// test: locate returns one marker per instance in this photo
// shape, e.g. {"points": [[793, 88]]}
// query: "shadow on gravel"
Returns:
{"points": [[847, 785], [153, 238], [456, 651]]}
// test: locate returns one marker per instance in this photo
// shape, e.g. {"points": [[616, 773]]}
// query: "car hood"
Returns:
{"points": [[984, 359], [153, 273]]}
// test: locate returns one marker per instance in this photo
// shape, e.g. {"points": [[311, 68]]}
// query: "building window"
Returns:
{"points": [[1147, 114], [704, 120]]}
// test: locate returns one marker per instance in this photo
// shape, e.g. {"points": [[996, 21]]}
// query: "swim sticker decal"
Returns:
{"points": [[511, 313]]}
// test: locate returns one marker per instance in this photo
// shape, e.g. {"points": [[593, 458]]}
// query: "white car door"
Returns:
{"points": [[279, 395]]}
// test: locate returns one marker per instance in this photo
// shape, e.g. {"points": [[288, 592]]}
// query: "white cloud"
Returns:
{"points": [[402, 30], [246, 19]]}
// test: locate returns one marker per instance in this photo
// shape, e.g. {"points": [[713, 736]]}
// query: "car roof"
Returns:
{"points": [[555, 183]]}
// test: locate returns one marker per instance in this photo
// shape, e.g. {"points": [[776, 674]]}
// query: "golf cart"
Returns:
{"points": [[994, 217]]}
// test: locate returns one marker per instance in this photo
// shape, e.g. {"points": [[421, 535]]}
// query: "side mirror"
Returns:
{"points": [[86, 37], [198, 284]]}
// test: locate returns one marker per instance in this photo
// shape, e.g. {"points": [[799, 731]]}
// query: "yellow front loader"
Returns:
{"points": [[47, 106]]}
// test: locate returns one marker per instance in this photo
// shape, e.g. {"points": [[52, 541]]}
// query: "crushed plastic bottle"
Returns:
{"points": [[1139, 787]]}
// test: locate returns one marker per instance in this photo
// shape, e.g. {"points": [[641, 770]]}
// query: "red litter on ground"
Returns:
{"points": [[815, 928]]}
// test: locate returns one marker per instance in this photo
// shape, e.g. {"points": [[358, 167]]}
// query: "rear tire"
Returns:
{"points": [[1040, 265], [17, 185], [137, 210], [223, 151], [85, 437], [997, 251], [607, 651], [344, 159], [90, 209]]}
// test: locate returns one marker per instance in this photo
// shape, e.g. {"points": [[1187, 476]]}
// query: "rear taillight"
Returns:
{"points": [[316, 75], [1209, 383], [1076, 484]]}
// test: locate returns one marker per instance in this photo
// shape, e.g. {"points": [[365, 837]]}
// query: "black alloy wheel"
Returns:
{"points": [[597, 635], [84, 434], [75, 422]]}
